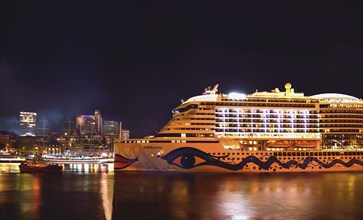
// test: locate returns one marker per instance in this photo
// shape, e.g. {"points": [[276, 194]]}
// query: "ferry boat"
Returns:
{"points": [[274, 131]]}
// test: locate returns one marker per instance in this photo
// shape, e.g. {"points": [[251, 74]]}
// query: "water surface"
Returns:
{"points": [[96, 192]]}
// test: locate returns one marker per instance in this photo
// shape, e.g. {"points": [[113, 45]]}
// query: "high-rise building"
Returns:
{"points": [[111, 128], [125, 134], [98, 122], [28, 123], [86, 125]]}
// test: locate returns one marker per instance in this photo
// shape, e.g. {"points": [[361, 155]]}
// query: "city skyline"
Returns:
{"points": [[82, 125], [136, 61]]}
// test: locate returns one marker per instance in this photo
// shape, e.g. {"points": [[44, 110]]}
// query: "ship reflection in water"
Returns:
{"points": [[94, 191]]}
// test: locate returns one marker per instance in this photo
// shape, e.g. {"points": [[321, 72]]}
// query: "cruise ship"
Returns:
{"points": [[266, 131]]}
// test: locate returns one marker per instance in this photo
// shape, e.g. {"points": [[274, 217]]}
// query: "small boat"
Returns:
{"points": [[38, 165]]}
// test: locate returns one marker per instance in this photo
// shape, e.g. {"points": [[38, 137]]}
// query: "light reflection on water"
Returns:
{"points": [[236, 196], [74, 168], [94, 191]]}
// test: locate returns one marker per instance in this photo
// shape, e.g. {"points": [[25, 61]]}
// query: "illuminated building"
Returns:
{"points": [[98, 122], [86, 125], [111, 128], [125, 134], [28, 123], [6, 139], [277, 131]]}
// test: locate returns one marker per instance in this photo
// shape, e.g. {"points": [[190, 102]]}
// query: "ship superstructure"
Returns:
{"points": [[230, 131]]}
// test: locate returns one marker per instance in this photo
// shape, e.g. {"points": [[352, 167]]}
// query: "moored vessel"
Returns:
{"points": [[277, 131], [38, 165]]}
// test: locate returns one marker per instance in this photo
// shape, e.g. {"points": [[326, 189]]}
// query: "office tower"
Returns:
{"points": [[98, 122], [125, 134], [28, 123], [111, 128], [86, 125]]}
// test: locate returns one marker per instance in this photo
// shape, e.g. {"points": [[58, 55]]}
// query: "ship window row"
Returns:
{"points": [[200, 119], [335, 105], [341, 122], [341, 125], [198, 113], [187, 135], [287, 125], [266, 125], [265, 111], [274, 105], [193, 118], [168, 141], [193, 129], [282, 117], [295, 154], [341, 116], [340, 130], [275, 100], [343, 136], [343, 111], [207, 108], [287, 117], [254, 120], [189, 129], [264, 114], [199, 135], [276, 130], [268, 116]]}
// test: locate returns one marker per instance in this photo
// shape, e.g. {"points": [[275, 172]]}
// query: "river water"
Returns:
{"points": [[96, 192]]}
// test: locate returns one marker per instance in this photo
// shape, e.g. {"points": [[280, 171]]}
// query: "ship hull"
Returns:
{"points": [[215, 158], [48, 168]]}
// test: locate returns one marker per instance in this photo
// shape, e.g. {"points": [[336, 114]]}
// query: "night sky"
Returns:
{"points": [[135, 61]]}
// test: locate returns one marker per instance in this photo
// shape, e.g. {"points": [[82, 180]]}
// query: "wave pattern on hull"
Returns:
{"points": [[188, 158]]}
